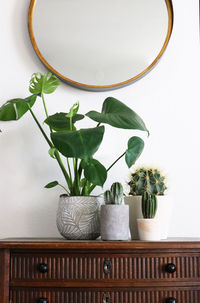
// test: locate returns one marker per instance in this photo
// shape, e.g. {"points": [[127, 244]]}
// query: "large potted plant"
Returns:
{"points": [[149, 180], [78, 214]]}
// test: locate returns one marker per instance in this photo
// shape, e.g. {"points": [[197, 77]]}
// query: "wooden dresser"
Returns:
{"points": [[59, 271]]}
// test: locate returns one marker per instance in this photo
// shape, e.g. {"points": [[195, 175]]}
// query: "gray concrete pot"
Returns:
{"points": [[78, 217], [115, 222]]}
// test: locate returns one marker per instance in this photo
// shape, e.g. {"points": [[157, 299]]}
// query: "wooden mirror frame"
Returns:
{"points": [[97, 87]]}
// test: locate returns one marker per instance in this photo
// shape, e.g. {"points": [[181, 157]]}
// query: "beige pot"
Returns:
{"points": [[163, 214], [149, 229]]}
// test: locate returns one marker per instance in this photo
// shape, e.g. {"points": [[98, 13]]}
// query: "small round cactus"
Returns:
{"points": [[147, 180], [114, 195], [149, 205]]}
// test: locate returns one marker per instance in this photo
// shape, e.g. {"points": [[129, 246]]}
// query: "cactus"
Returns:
{"points": [[149, 205], [114, 195], [108, 197], [147, 180]]}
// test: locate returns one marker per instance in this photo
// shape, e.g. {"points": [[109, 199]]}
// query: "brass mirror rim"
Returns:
{"points": [[101, 87]]}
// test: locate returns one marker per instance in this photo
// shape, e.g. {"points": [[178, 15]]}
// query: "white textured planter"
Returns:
{"points": [[148, 229], [163, 214], [78, 218], [115, 222]]}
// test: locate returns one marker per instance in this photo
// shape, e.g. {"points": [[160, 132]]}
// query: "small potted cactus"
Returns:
{"points": [[152, 181], [114, 215], [148, 227]]}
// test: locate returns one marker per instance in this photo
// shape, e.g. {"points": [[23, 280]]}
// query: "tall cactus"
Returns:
{"points": [[149, 205], [147, 180], [114, 195]]}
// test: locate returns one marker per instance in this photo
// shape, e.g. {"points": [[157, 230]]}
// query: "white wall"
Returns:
{"points": [[167, 99]]}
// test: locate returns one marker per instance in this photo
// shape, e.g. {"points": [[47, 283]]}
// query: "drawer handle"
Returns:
{"points": [[43, 268], [171, 300], [42, 300], [170, 268], [106, 298], [107, 267]]}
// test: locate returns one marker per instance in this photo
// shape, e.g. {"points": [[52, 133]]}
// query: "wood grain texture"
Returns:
{"points": [[4, 275], [171, 245], [77, 267], [76, 271], [31, 295]]}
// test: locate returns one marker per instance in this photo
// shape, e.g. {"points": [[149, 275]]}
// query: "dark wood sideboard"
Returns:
{"points": [[59, 271]]}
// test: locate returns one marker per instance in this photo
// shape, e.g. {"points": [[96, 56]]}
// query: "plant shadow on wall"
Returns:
{"points": [[82, 171]]}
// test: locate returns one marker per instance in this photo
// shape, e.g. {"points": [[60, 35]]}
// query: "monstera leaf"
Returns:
{"points": [[135, 148], [117, 114], [60, 121], [94, 172], [14, 109], [46, 84], [80, 144]]}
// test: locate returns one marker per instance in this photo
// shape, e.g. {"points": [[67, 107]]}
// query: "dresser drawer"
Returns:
{"points": [[103, 267], [61, 295]]}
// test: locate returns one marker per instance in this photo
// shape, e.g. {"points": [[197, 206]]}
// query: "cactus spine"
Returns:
{"points": [[114, 195], [149, 205], [147, 180]]}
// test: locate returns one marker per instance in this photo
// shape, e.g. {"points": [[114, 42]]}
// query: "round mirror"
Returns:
{"points": [[100, 44]]}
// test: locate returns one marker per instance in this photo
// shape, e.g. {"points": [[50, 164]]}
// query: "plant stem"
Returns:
{"points": [[57, 156], [41, 129], [75, 184], [64, 189], [45, 109], [91, 189], [76, 178], [67, 178], [69, 168], [98, 124], [80, 169], [70, 123], [85, 188], [115, 161]]}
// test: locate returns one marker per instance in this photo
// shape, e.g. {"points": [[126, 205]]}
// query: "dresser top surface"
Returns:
{"points": [[60, 243]]}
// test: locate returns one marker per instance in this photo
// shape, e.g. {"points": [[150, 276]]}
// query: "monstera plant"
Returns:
{"points": [[82, 172]]}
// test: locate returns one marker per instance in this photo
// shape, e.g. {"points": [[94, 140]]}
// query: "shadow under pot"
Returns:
{"points": [[115, 222], [78, 217]]}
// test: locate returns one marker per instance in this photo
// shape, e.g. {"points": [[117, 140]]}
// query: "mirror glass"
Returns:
{"points": [[100, 44]]}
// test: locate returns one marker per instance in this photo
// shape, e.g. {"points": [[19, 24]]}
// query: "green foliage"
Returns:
{"points": [[149, 205], [147, 180], [45, 84], [135, 148], [14, 109], [81, 171], [114, 195], [60, 121], [94, 171], [52, 152], [117, 114], [73, 110], [81, 144], [51, 184]]}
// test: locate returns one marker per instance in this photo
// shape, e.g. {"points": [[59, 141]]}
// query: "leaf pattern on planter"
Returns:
{"points": [[79, 217]]}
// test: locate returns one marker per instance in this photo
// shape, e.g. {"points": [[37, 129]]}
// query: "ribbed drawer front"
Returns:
{"points": [[62, 266], [25, 295]]}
